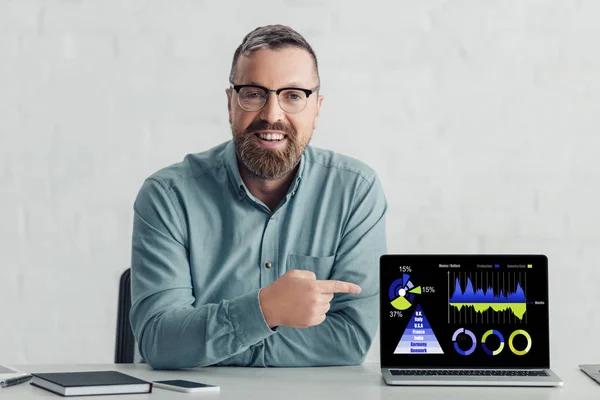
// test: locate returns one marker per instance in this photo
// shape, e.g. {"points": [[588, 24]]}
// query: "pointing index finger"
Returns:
{"points": [[335, 286]]}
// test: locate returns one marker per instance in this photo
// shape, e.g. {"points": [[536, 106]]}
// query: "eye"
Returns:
{"points": [[294, 95], [252, 95]]}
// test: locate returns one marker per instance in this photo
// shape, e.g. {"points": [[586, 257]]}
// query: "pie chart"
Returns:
{"points": [[402, 292]]}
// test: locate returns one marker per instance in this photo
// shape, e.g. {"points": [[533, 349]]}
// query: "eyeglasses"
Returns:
{"points": [[254, 98]]}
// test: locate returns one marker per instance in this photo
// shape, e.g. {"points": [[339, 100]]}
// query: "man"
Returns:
{"points": [[262, 251]]}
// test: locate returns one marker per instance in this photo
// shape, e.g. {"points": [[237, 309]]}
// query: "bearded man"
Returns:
{"points": [[262, 251]]}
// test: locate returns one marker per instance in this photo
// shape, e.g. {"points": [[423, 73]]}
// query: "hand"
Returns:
{"points": [[298, 300]]}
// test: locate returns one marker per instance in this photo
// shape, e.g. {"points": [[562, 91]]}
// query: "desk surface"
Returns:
{"points": [[357, 382]]}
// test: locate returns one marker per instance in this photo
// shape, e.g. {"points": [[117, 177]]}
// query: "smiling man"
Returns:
{"points": [[262, 251]]}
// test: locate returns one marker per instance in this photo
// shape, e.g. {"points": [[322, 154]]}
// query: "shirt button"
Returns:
{"points": [[268, 264], [272, 218]]}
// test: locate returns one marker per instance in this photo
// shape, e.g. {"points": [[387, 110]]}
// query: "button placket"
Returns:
{"points": [[269, 251]]}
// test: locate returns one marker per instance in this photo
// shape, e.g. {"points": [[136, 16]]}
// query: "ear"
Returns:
{"points": [[228, 92], [319, 103]]}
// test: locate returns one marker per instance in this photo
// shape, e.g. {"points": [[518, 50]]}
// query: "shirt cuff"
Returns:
{"points": [[248, 320]]}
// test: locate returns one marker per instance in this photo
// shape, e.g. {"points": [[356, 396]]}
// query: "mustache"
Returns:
{"points": [[262, 125]]}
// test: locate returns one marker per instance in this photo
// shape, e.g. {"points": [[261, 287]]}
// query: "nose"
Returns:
{"points": [[271, 112]]}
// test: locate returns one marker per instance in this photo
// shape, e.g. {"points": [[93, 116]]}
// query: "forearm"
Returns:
{"points": [[344, 338], [187, 337]]}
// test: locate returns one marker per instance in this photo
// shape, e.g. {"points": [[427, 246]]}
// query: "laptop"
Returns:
{"points": [[475, 320], [591, 370]]}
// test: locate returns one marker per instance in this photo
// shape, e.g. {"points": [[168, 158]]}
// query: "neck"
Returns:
{"points": [[269, 191]]}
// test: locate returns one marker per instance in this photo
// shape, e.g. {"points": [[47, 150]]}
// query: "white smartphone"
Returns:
{"points": [[181, 385]]}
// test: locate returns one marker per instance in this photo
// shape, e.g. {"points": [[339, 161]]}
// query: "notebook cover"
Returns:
{"points": [[90, 378]]}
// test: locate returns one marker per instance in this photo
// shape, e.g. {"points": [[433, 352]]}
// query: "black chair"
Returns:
{"points": [[126, 348]]}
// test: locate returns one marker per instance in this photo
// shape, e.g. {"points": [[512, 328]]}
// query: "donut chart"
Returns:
{"points": [[468, 333], [485, 347], [511, 346]]}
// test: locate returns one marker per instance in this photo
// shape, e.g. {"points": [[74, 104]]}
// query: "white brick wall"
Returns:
{"points": [[481, 118]]}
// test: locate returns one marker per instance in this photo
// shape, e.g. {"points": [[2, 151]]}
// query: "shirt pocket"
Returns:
{"points": [[321, 266]]}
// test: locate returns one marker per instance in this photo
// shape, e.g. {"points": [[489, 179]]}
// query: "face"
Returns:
{"points": [[270, 142]]}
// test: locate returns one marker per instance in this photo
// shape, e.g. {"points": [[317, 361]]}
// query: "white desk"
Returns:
{"points": [[343, 383]]}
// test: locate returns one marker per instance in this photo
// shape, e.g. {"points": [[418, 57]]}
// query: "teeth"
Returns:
{"points": [[270, 136]]}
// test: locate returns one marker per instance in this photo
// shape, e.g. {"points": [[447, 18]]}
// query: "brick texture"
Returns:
{"points": [[481, 119]]}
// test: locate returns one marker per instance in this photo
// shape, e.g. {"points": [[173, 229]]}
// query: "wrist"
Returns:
{"points": [[268, 313]]}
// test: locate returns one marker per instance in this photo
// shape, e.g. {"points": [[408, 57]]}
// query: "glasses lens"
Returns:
{"points": [[252, 98], [292, 101]]}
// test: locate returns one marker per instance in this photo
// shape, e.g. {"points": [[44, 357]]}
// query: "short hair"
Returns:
{"points": [[271, 37]]}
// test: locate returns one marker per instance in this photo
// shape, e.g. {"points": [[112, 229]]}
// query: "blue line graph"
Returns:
{"points": [[469, 295]]}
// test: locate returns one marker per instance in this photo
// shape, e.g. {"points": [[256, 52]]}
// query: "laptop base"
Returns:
{"points": [[550, 380]]}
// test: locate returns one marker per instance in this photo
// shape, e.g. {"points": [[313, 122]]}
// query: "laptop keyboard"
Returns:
{"points": [[467, 372]]}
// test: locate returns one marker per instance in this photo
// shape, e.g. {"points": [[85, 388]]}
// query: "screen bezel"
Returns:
{"points": [[434, 259]]}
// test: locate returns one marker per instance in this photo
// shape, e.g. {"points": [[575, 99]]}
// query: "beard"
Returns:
{"points": [[267, 163]]}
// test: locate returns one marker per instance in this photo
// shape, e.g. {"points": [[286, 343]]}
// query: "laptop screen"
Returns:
{"points": [[464, 311]]}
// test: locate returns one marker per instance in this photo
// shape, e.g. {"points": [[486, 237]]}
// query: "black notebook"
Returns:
{"points": [[90, 383]]}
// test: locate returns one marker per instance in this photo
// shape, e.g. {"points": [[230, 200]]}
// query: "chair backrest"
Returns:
{"points": [[126, 347]]}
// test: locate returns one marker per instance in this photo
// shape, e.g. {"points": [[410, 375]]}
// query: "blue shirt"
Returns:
{"points": [[203, 246]]}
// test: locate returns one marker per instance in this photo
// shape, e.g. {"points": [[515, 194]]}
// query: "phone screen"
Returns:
{"points": [[184, 384]]}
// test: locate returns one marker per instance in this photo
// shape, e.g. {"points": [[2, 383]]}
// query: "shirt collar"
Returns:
{"points": [[237, 183]]}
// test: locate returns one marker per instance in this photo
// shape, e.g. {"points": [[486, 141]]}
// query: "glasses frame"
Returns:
{"points": [[308, 92]]}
